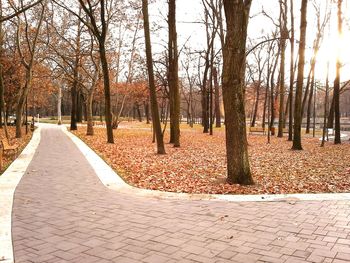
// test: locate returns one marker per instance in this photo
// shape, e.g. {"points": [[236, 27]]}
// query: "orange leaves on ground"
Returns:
{"points": [[199, 166], [21, 142]]}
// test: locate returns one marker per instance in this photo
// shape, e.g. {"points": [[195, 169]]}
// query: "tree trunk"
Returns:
{"points": [[233, 78], [2, 98], [309, 106], [1, 77], [300, 79], [152, 87], [330, 121], [79, 107], [292, 73], [21, 101], [264, 110], [173, 79], [324, 131], [85, 111], [286, 112], [74, 89], [59, 106], [217, 99], [205, 115], [284, 35], [211, 93], [147, 112], [272, 97], [337, 139], [90, 122], [73, 121], [256, 106], [139, 116], [107, 93]]}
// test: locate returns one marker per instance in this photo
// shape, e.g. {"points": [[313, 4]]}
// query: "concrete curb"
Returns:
{"points": [[8, 183], [113, 181]]}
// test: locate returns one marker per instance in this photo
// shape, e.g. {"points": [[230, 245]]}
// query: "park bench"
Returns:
{"points": [[262, 130], [256, 129], [275, 130], [99, 123], [9, 148]]}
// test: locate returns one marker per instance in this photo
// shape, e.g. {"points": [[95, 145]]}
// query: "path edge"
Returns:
{"points": [[113, 181], [8, 184]]}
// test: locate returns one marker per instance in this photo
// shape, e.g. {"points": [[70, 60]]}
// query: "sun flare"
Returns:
{"points": [[334, 46]]}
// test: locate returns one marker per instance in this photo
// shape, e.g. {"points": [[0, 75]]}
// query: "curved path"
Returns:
{"points": [[63, 213]]}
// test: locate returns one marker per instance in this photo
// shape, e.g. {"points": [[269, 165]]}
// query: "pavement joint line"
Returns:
{"points": [[113, 181], [8, 183]]}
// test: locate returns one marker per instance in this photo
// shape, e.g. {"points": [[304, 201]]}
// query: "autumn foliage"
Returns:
{"points": [[199, 166]]}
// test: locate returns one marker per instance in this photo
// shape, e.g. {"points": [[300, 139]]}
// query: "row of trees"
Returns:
{"points": [[95, 49]]}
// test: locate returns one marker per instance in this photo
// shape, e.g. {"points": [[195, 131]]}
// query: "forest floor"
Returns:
{"points": [[199, 165], [7, 159]]}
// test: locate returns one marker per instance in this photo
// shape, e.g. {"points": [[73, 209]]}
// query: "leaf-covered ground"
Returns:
{"points": [[199, 166], [7, 159]]}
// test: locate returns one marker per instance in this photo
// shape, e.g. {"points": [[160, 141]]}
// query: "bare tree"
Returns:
{"points": [[98, 15], [27, 61], [152, 87], [18, 11]]}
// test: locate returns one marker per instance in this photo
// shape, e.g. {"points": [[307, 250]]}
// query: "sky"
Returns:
{"points": [[189, 12]]}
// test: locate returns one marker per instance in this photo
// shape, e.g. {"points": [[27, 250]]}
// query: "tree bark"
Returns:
{"points": [[59, 106], [292, 73], [152, 87], [300, 79], [21, 102], [147, 112], [233, 78], [90, 123], [284, 35], [337, 139], [139, 116], [173, 79], [79, 104], [309, 106], [107, 93], [74, 89], [330, 121], [2, 97], [217, 99], [256, 105], [272, 97], [1, 54], [73, 121], [324, 131]]}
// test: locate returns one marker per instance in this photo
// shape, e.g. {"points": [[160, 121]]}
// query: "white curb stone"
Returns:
{"points": [[113, 181], [8, 183]]}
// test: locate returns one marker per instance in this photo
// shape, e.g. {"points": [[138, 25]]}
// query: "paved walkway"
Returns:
{"points": [[62, 213]]}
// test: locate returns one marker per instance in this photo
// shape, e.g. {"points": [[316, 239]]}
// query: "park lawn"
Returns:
{"points": [[199, 165], [22, 143]]}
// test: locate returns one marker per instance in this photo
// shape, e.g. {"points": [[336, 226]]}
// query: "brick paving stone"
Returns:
{"points": [[156, 259], [271, 260], [62, 213], [301, 254], [343, 256], [340, 261]]}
